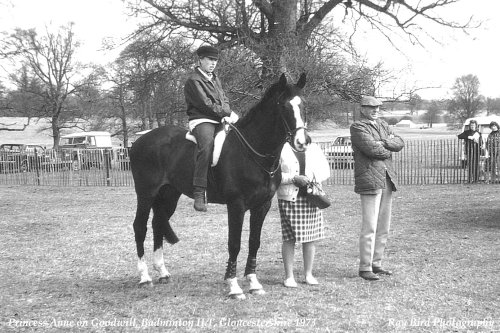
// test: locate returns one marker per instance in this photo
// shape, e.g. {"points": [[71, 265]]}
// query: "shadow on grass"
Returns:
{"points": [[479, 217]]}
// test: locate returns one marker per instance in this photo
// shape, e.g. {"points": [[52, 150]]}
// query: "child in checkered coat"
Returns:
{"points": [[300, 221]]}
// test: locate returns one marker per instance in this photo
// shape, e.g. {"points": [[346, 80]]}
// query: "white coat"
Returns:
{"points": [[316, 167]]}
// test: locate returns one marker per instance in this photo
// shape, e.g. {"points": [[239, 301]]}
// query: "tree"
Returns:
{"points": [[146, 83], [21, 102], [26, 100], [492, 105], [433, 112], [4, 103], [415, 103], [154, 74], [280, 33], [466, 101], [119, 97], [49, 58]]}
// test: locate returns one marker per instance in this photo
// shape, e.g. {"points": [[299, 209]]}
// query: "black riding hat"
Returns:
{"points": [[207, 51]]}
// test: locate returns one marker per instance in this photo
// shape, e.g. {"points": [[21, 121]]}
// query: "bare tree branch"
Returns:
{"points": [[10, 129]]}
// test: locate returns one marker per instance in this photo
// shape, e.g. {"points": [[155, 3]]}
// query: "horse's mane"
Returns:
{"points": [[269, 94]]}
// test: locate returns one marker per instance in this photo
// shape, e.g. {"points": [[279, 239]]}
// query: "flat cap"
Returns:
{"points": [[207, 51], [370, 101]]}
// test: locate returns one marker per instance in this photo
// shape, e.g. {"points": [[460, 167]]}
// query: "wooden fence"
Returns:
{"points": [[67, 167], [420, 162]]}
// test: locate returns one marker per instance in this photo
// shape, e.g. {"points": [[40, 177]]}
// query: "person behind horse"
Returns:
{"points": [[207, 107], [300, 221]]}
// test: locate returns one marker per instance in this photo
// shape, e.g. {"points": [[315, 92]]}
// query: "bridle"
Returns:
{"points": [[288, 138], [244, 141], [290, 134]]}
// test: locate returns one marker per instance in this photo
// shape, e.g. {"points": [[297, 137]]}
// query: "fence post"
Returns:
{"points": [[107, 166], [37, 168]]}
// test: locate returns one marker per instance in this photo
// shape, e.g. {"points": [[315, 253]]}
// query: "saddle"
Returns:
{"points": [[219, 139]]}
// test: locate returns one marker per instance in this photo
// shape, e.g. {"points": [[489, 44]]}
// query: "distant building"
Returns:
{"points": [[407, 123]]}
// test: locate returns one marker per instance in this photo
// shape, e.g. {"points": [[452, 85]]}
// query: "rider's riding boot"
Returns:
{"points": [[199, 199]]}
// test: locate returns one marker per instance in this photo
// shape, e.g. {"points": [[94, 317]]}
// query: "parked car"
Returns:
{"points": [[20, 157], [339, 153]]}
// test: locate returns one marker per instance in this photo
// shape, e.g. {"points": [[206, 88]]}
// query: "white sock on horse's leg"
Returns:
{"points": [[142, 267], [254, 285], [234, 289], [159, 264]]}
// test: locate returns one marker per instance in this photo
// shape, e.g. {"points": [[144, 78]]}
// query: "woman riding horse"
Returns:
{"points": [[245, 178], [207, 105]]}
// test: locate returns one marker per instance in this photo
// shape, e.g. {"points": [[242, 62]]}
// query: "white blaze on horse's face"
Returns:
{"points": [[299, 139]]}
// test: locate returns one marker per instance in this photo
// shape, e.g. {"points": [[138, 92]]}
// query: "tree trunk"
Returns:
{"points": [[144, 116], [282, 43], [124, 126], [56, 133]]}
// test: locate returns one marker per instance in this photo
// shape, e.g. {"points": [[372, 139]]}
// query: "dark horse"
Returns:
{"points": [[245, 178]]}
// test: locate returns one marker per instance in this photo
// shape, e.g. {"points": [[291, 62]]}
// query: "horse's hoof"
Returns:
{"points": [[164, 280], [258, 292], [238, 296], [146, 284]]}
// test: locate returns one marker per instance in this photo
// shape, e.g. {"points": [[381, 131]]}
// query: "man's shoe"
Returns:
{"points": [[199, 199], [367, 275], [381, 271]]}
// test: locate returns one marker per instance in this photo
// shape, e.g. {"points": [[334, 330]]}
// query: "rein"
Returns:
{"points": [[242, 138], [249, 146], [288, 138]]}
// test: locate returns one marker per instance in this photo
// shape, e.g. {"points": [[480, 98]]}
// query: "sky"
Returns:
{"points": [[93, 20], [438, 65], [456, 54]]}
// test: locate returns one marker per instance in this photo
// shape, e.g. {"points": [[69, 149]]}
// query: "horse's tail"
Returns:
{"points": [[165, 205], [169, 234]]}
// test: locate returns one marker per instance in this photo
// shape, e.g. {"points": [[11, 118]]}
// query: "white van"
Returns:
{"points": [[87, 150], [95, 139]]}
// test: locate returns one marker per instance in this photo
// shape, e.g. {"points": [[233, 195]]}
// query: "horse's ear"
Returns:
{"points": [[301, 83], [282, 81]]}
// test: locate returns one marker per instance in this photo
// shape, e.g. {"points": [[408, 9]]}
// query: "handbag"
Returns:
{"points": [[316, 196]]}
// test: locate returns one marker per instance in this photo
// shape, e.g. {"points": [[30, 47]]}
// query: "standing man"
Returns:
{"points": [[207, 106], [375, 180]]}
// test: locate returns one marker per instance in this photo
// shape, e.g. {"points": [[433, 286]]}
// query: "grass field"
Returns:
{"points": [[68, 264]]}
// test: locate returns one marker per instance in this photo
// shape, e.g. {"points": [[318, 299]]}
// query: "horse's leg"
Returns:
{"points": [[140, 228], [257, 217], [163, 208], [236, 214]]}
